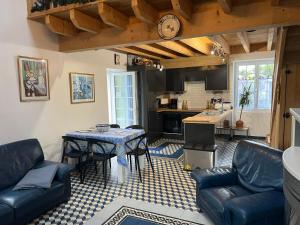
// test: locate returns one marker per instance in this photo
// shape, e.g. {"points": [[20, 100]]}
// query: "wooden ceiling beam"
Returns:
{"points": [[275, 2], [112, 17], [226, 5], [244, 41], [85, 22], [176, 47], [202, 44], [271, 35], [150, 48], [133, 51], [254, 15], [183, 7], [144, 11], [60, 26]]}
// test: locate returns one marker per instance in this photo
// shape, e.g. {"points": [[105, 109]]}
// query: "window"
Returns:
{"points": [[258, 75], [122, 98]]}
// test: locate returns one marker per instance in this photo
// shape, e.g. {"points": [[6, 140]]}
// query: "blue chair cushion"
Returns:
{"points": [[24, 202], [6, 214]]}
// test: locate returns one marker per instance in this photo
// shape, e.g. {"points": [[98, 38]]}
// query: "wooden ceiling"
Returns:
{"points": [[130, 25]]}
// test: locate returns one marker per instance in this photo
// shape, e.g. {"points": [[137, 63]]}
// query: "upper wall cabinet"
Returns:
{"points": [[174, 80], [156, 80], [217, 79]]}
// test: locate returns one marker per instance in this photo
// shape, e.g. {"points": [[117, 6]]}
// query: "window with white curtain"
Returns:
{"points": [[122, 98], [258, 75]]}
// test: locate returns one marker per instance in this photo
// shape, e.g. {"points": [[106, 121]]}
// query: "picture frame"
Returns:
{"points": [[33, 74], [117, 59], [82, 88]]}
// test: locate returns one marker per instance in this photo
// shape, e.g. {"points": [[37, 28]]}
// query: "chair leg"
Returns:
{"points": [[105, 173], [135, 161], [110, 163], [95, 165], [139, 168], [80, 169], [130, 163], [148, 153]]}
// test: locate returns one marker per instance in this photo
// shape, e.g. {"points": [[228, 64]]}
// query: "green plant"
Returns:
{"points": [[244, 99]]}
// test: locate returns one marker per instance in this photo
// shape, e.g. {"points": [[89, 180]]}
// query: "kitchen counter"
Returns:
{"points": [[180, 110], [208, 117]]}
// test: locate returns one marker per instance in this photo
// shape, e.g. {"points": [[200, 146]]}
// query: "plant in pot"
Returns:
{"points": [[244, 101]]}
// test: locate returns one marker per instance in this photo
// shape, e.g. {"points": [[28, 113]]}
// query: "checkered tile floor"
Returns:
{"points": [[168, 148], [168, 186]]}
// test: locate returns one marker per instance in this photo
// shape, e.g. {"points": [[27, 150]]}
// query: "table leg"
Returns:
{"points": [[121, 174]]}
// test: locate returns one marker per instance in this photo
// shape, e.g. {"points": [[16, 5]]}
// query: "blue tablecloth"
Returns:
{"points": [[115, 135]]}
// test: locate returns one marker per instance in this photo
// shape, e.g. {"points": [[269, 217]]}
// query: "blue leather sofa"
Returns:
{"points": [[20, 207], [249, 193]]}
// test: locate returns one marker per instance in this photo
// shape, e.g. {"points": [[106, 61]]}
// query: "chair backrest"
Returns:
{"points": [[114, 126], [136, 127], [259, 167], [139, 141], [71, 143], [101, 147], [17, 158]]}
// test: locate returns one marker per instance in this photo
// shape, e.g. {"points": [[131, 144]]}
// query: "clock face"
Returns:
{"points": [[168, 27]]}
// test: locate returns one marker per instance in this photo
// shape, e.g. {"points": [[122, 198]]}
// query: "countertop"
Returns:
{"points": [[213, 118], [180, 110], [296, 114], [291, 163]]}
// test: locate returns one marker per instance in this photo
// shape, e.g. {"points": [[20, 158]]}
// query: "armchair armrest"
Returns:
{"points": [[218, 176], [256, 207]]}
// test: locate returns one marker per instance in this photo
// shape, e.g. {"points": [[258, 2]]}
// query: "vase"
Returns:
{"points": [[239, 124]]}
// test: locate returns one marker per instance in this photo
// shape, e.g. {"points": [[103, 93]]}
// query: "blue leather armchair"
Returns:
{"points": [[20, 207], [249, 193]]}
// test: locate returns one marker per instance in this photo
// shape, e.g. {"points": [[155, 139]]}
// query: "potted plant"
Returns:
{"points": [[244, 101]]}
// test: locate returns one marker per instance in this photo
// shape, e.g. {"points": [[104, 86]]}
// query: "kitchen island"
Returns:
{"points": [[199, 135]]}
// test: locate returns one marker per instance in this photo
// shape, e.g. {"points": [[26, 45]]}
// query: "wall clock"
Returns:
{"points": [[168, 27]]}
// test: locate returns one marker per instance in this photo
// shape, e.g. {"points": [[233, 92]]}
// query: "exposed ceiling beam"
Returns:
{"points": [[191, 62], [271, 35], [275, 2], [137, 52], [221, 41], [183, 7], [60, 26], [85, 22], [112, 17], [176, 47], [202, 44], [244, 40], [158, 51], [226, 5], [144, 11], [255, 15], [256, 47]]}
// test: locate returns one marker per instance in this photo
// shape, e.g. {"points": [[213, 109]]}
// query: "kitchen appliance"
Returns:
{"points": [[163, 103], [173, 103]]}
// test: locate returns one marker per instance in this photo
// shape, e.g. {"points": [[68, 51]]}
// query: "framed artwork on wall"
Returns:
{"points": [[33, 79], [82, 88]]}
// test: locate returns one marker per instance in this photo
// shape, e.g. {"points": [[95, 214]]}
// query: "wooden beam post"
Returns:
{"points": [[85, 22], [202, 44], [271, 34], [176, 47], [244, 40], [137, 52], [183, 7], [112, 17], [144, 11], [150, 48], [60, 26], [275, 2], [226, 5], [184, 62]]}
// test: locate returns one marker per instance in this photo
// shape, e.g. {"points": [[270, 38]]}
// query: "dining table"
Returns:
{"points": [[117, 136]]}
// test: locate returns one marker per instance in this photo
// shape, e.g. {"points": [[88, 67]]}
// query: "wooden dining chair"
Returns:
{"points": [[75, 148], [114, 126], [101, 151], [138, 147], [136, 127]]}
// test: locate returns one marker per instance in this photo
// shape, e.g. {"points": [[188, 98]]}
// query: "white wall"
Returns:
{"points": [[49, 120]]}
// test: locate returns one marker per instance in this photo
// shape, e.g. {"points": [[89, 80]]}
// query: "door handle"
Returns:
{"points": [[286, 115]]}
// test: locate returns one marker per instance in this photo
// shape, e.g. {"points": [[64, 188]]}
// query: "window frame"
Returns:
{"points": [[255, 62]]}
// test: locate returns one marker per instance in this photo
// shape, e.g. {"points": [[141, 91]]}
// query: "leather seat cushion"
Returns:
{"points": [[217, 196], [25, 202], [6, 214]]}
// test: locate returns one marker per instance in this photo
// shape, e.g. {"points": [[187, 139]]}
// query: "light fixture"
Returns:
{"points": [[212, 52], [218, 50], [137, 60]]}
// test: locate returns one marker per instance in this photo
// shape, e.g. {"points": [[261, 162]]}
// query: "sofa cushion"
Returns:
{"points": [[259, 167], [37, 178], [217, 196], [16, 159], [25, 202], [6, 214]]}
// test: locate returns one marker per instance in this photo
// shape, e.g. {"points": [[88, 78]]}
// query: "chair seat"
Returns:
{"points": [[217, 196], [138, 152], [75, 153], [102, 157]]}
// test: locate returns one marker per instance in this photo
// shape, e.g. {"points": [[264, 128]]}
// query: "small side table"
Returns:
{"points": [[243, 129], [231, 131]]}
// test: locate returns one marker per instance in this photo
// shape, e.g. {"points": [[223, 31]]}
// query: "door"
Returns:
{"points": [[122, 98]]}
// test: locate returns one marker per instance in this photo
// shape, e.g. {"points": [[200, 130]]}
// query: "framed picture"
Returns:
{"points": [[33, 79], [117, 59], [82, 88]]}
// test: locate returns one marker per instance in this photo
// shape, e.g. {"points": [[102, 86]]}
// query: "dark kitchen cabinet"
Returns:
{"points": [[217, 79], [155, 124], [193, 74], [156, 80], [174, 80]]}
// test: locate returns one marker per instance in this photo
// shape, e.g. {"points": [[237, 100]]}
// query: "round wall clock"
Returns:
{"points": [[168, 27]]}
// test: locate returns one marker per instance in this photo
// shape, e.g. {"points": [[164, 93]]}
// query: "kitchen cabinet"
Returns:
{"points": [[174, 80], [217, 79], [155, 124], [193, 74], [156, 80]]}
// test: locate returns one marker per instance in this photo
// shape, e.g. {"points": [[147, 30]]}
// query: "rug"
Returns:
{"points": [[125, 211], [166, 148]]}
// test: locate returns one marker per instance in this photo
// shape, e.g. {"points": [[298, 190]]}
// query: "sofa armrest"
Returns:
{"points": [[256, 207], [218, 176]]}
